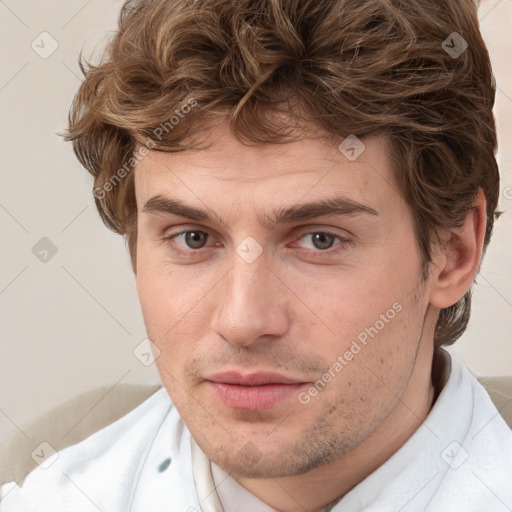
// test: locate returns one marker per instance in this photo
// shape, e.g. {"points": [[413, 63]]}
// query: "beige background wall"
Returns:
{"points": [[72, 323]]}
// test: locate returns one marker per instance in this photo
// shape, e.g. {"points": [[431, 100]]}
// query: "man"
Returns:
{"points": [[307, 189]]}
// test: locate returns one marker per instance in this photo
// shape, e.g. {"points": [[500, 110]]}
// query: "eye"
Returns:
{"points": [[190, 242], [323, 240], [192, 239]]}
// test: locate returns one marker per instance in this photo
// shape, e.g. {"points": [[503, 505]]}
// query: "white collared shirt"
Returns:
{"points": [[459, 459]]}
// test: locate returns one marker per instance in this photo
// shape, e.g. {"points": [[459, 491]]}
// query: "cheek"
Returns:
{"points": [[170, 325], [353, 304], [166, 292], [173, 305], [155, 299], [369, 367], [377, 325]]}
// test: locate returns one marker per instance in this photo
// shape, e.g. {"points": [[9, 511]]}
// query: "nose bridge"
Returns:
{"points": [[249, 305], [247, 285], [250, 276]]}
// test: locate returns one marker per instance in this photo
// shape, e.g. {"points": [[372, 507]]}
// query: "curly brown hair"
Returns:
{"points": [[414, 71]]}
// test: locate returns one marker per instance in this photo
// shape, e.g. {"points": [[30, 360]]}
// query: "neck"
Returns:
{"points": [[339, 477]]}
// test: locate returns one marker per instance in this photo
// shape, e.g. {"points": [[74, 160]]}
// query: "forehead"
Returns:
{"points": [[231, 173]]}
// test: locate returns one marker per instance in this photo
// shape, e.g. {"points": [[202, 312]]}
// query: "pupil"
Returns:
{"points": [[195, 239], [320, 241]]}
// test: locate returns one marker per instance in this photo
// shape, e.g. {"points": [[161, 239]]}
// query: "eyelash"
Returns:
{"points": [[315, 253]]}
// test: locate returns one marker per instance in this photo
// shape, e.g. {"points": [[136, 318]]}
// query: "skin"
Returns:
{"points": [[295, 308]]}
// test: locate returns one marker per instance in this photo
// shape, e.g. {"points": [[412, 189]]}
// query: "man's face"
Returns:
{"points": [[284, 342]]}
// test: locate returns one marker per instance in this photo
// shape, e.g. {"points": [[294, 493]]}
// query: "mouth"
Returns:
{"points": [[252, 392]]}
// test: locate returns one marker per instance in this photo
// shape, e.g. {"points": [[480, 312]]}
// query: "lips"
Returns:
{"points": [[251, 379], [252, 392]]}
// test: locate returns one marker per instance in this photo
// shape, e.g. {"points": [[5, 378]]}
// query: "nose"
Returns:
{"points": [[251, 305]]}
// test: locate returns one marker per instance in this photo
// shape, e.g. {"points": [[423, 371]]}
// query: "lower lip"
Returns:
{"points": [[253, 398]]}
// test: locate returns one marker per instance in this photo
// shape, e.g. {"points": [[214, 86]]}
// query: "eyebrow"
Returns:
{"points": [[282, 215]]}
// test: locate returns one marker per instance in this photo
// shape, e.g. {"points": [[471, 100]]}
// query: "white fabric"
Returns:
{"points": [[234, 496], [117, 468]]}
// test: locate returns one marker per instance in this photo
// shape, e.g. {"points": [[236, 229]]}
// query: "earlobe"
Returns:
{"points": [[459, 259]]}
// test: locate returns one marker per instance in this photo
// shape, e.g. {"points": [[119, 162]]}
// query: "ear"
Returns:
{"points": [[456, 264]]}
